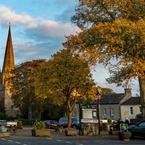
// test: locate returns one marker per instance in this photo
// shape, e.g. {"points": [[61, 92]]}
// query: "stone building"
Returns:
{"points": [[6, 104]]}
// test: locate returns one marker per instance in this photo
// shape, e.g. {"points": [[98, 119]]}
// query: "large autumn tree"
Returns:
{"points": [[65, 79], [112, 34]]}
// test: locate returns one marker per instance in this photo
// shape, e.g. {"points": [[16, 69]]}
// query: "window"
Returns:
{"points": [[111, 112], [131, 110], [94, 114], [142, 124], [104, 111]]}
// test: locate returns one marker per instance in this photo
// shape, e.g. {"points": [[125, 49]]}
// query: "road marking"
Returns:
{"points": [[17, 142], [49, 138], [58, 140], [3, 139], [10, 140], [68, 142], [24, 144], [80, 144]]}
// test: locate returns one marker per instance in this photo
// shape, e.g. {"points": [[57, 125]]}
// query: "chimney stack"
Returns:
{"points": [[127, 95]]}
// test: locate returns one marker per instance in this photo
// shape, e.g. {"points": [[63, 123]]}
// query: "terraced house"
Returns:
{"points": [[113, 106]]}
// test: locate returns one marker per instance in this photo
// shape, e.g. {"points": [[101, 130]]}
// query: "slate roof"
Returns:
{"points": [[111, 98], [132, 101]]}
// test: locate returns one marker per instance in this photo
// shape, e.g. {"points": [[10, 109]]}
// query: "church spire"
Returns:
{"points": [[9, 54]]}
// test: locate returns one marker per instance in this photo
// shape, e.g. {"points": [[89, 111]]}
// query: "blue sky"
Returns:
{"points": [[38, 29]]}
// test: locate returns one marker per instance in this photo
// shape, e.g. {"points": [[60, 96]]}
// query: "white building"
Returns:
{"points": [[130, 108], [113, 106]]}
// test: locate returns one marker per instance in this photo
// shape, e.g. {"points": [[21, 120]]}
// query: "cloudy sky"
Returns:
{"points": [[38, 29]]}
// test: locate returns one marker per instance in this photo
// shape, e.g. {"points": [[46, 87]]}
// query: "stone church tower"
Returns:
{"points": [[8, 66]]}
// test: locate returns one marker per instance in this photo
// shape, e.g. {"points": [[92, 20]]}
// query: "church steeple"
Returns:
{"points": [[9, 54], [7, 74]]}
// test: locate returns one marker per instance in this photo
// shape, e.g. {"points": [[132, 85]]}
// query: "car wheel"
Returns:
{"points": [[130, 134], [74, 127]]}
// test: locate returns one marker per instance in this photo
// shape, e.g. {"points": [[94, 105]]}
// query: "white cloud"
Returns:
{"points": [[48, 30], [100, 74], [58, 29], [46, 36], [7, 15], [29, 51], [42, 27]]}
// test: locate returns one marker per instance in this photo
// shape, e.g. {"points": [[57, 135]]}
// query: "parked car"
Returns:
{"points": [[52, 124], [8, 123], [3, 122], [63, 122], [137, 129], [12, 124]]}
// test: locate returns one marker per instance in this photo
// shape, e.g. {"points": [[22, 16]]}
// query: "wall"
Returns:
{"points": [[126, 111], [112, 112]]}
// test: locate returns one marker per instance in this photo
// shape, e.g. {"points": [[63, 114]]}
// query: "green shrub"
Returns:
{"points": [[3, 116], [109, 121], [19, 124], [26, 122], [39, 125]]}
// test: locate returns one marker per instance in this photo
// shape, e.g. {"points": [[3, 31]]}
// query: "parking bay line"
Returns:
{"points": [[68, 142], [59, 140], [18, 142], [10, 140], [3, 139]]}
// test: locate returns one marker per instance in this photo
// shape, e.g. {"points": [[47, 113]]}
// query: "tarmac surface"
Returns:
{"points": [[23, 137]]}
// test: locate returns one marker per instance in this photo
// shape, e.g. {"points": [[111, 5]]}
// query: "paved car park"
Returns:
{"points": [[63, 140], [24, 137]]}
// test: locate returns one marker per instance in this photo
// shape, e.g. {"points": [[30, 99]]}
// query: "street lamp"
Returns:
{"points": [[98, 94], [80, 118]]}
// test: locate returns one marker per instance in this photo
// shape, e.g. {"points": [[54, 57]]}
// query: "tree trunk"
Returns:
{"points": [[142, 94], [69, 119], [29, 113]]}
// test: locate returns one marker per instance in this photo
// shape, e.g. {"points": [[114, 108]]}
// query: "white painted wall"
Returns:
{"points": [[126, 113], [87, 113]]}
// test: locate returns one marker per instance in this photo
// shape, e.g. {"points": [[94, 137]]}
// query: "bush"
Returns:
{"points": [[26, 122], [39, 125], [109, 121], [19, 124], [3, 116]]}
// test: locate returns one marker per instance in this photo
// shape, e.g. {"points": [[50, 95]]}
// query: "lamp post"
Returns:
{"points": [[80, 118], [98, 94]]}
